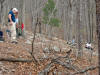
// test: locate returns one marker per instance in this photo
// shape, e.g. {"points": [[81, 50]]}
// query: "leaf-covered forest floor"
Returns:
{"points": [[46, 50]]}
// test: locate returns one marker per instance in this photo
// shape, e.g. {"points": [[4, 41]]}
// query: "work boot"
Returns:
{"points": [[14, 42]]}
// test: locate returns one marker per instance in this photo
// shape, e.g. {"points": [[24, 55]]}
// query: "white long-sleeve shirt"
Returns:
{"points": [[17, 20], [88, 45]]}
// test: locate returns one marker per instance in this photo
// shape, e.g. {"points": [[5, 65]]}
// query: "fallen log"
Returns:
{"points": [[66, 65], [86, 70], [16, 60], [46, 70]]}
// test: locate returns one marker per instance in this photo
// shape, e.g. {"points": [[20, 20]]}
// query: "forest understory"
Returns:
{"points": [[39, 54], [53, 57]]}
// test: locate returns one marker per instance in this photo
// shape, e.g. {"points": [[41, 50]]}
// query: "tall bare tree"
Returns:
{"points": [[98, 30]]}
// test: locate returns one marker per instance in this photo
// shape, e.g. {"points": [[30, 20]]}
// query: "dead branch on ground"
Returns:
{"points": [[16, 60], [86, 70]]}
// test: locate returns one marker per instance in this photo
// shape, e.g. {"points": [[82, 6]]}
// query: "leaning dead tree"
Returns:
{"points": [[33, 41]]}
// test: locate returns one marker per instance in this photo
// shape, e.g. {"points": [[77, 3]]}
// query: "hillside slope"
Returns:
{"points": [[46, 52]]}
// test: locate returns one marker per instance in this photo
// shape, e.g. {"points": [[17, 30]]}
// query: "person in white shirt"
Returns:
{"points": [[16, 19], [12, 24], [88, 46]]}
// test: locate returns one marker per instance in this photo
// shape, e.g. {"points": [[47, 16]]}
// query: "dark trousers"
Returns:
{"points": [[1, 34]]}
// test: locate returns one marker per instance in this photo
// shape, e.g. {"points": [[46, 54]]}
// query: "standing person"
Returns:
{"points": [[8, 32], [12, 24]]}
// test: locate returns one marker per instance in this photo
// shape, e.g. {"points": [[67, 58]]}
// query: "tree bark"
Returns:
{"points": [[98, 30], [79, 29]]}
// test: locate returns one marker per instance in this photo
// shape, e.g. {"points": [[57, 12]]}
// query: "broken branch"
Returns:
{"points": [[87, 69], [15, 60]]}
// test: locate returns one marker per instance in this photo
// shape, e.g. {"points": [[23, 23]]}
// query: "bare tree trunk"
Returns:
{"points": [[23, 17], [1, 10], [98, 30], [79, 29]]}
